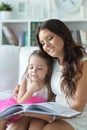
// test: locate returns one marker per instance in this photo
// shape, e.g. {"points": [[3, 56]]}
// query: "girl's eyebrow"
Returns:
{"points": [[41, 65], [37, 65]]}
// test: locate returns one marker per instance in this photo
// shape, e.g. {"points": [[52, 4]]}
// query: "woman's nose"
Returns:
{"points": [[47, 45]]}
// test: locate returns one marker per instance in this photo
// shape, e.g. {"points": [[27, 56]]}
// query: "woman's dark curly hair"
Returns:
{"points": [[73, 54]]}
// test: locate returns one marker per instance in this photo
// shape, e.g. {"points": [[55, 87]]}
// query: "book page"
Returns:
{"points": [[52, 108], [10, 111]]}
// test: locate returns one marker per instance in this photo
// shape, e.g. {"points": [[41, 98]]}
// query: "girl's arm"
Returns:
{"points": [[25, 94]]}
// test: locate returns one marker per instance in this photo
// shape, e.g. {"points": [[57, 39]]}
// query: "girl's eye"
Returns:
{"points": [[31, 67], [40, 68]]}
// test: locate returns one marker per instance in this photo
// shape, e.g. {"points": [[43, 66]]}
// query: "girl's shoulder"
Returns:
{"points": [[24, 80]]}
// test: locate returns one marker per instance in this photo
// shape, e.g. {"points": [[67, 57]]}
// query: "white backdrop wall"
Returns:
{"points": [[41, 9]]}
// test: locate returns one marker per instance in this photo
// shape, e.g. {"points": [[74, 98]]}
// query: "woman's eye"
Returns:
{"points": [[42, 43], [50, 37]]}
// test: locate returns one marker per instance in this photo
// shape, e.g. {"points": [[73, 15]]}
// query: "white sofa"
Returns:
{"points": [[13, 61]]}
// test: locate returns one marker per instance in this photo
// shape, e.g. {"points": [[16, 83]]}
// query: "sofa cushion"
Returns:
{"points": [[13, 62], [9, 66]]}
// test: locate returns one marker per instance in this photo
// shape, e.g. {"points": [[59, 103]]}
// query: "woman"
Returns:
{"points": [[69, 78], [69, 82]]}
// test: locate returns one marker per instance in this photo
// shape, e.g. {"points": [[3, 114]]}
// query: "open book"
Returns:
{"points": [[50, 108]]}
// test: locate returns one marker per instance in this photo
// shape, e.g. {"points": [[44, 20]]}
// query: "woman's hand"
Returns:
{"points": [[15, 92]]}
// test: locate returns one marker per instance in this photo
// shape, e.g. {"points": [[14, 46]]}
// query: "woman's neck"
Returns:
{"points": [[61, 59]]}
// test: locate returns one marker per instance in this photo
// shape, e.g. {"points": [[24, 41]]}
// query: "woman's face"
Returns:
{"points": [[52, 44]]}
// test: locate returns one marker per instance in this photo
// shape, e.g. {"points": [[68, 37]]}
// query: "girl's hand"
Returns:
{"points": [[35, 86]]}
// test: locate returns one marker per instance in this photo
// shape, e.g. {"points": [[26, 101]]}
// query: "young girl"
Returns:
{"points": [[35, 84]]}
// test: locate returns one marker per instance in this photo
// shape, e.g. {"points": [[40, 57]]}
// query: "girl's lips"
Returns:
{"points": [[34, 76]]}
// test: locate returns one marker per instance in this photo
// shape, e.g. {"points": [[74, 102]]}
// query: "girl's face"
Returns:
{"points": [[37, 69], [52, 44]]}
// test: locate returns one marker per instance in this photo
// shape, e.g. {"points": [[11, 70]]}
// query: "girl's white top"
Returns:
{"points": [[43, 92]]}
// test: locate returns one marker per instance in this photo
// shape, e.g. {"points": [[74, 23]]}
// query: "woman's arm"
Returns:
{"points": [[22, 90], [80, 98], [48, 118], [15, 92], [40, 116]]}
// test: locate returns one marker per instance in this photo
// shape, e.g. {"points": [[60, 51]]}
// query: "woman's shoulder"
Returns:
{"points": [[84, 64], [84, 58]]}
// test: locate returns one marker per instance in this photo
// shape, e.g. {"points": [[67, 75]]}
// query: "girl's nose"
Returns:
{"points": [[35, 69]]}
